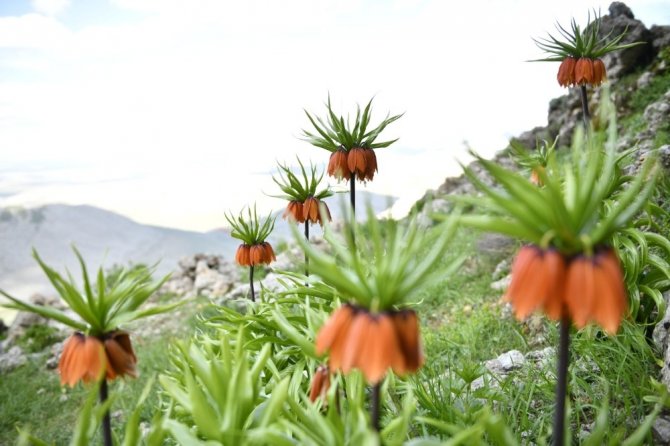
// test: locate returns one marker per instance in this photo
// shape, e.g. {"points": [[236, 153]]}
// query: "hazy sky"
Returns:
{"points": [[173, 111]]}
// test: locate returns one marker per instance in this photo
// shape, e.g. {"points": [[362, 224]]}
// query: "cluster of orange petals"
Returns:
{"points": [[359, 161], [320, 383], [585, 288], [371, 342], [535, 176], [582, 71], [88, 358], [307, 211], [251, 255]]}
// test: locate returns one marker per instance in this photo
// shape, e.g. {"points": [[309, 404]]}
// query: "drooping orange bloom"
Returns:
{"points": [[320, 383], [566, 72], [242, 255], [294, 210], [535, 176], [337, 165], [312, 212], [371, 342], [121, 359], [87, 358], [357, 162], [538, 279], [258, 254], [370, 164], [584, 71], [269, 253], [595, 290], [599, 72], [407, 327], [587, 289]]}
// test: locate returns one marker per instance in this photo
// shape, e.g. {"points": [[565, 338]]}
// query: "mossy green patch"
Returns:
{"points": [[38, 337]]}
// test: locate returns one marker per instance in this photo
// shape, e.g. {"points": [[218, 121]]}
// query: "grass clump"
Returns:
{"points": [[38, 337]]}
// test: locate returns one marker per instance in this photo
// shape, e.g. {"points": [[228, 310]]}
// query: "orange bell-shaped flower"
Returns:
{"points": [[584, 71], [566, 72], [338, 166]]}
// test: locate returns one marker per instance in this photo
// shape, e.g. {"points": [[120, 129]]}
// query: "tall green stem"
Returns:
{"points": [[562, 385], [375, 404], [106, 420], [352, 192], [251, 283], [585, 107], [306, 256]]}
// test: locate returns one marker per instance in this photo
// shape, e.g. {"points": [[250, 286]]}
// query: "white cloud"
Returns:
{"points": [[198, 95], [33, 31], [50, 7]]}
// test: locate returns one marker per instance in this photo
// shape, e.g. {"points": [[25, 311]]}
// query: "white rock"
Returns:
{"points": [[12, 359], [506, 362]]}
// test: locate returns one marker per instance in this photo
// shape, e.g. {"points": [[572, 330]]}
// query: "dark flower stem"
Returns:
{"points": [[585, 107], [306, 256], [106, 420], [562, 385], [352, 193], [374, 406], [251, 283]]}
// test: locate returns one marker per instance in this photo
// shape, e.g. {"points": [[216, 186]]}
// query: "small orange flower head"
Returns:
{"points": [[312, 210], [599, 72], [121, 358], [586, 288], [371, 342], [537, 282], [370, 164], [566, 72], [257, 254], [406, 325], [535, 177], [595, 290], [357, 162], [242, 256], [269, 254], [320, 383], [83, 359], [87, 358], [294, 211], [337, 165], [584, 71]]}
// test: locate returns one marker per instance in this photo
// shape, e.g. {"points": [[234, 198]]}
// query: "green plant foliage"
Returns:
{"points": [[90, 419], [580, 42], [581, 205], [336, 132], [379, 272], [217, 389], [297, 189], [250, 230], [102, 308]]}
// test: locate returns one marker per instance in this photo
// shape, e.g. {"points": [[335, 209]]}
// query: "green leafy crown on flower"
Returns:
{"points": [[540, 157], [250, 230], [297, 189], [581, 43], [103, 306], [581, 204], [388, 265], [336, 132]]}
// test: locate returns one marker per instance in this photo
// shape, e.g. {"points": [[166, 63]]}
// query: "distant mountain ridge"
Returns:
{"points": [[107, 238], [103, 237]]}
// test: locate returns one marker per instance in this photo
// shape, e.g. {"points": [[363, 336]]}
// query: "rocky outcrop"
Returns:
{"points": [[202, 275], [619, 20], [30, 332]]}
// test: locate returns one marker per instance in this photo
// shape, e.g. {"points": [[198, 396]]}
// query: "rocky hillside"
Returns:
{"points": [[640, 84]]}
